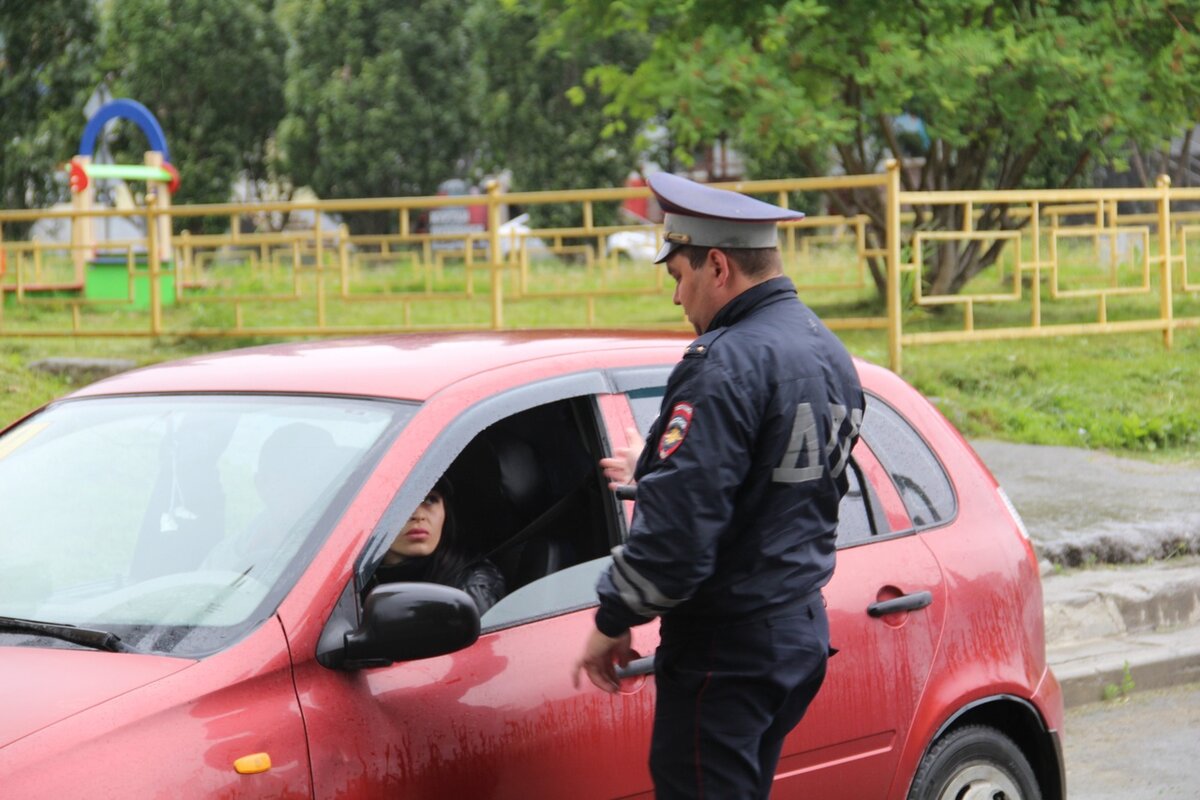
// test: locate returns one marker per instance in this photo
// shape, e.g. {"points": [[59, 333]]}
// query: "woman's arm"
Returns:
{"points": [[485, 584]]}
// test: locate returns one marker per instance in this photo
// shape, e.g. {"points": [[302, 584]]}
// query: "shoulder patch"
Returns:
{"points": [[678, 423]]}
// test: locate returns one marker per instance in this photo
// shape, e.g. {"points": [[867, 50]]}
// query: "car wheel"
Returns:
{"points": [[975, 763]]}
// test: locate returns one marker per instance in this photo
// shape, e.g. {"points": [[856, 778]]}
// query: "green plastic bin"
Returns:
{"points": [[107, 278]]}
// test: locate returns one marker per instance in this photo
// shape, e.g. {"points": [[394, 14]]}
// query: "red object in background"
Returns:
{"points": [[477, 215], [936, 607], [173, 185], [78, 179], [639, 207]]}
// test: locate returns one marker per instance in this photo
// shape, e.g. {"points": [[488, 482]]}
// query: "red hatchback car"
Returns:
{"points": [[188, 610]]}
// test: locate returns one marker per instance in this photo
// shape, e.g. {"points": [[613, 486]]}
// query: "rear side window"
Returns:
{"points": [[860, 515], [915, 470]]}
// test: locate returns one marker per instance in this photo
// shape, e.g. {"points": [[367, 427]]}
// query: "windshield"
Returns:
{"points": [[176, 522]]}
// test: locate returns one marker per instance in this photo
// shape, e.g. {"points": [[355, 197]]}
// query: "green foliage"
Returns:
{"points": [[211, 71], [382, 99], [1121, 691], [1002, 88], [47, 70], [538, 122]]}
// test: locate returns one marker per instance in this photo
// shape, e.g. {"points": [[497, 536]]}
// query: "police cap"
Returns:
{"points": [[701, 215]]}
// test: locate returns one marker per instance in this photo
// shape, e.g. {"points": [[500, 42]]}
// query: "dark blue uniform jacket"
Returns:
{"points": [[742, 474]]}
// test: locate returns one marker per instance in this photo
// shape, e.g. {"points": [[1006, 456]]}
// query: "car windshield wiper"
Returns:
{"points": [[88, 637]]}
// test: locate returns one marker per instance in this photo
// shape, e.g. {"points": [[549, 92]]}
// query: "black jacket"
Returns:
{"points": [[743, 471], [482, 581]]}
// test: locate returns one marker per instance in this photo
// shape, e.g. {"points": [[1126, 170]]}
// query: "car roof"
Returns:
{"points": [[401, 366]]}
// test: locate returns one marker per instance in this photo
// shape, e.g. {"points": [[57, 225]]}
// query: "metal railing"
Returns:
{"points": [[1055, 250]]}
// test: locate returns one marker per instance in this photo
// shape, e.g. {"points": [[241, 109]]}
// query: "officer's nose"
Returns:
{"points": [[675, 298]]}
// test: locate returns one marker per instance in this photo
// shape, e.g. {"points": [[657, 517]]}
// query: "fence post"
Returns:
{"points": [[493, 226], [319, 255], [1166, 309], [892, 212], [344, 257], [182, 265], [184, 270], [153, 263], [82, 226]]}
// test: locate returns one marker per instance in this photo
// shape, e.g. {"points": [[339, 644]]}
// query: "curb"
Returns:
{"points": [[1117, 630], [1099, 669]]}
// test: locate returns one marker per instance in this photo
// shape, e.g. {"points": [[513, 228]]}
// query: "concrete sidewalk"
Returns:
{"points": [[1107, 624]]}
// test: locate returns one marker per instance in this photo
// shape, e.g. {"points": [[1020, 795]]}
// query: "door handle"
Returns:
{"points": [[907, 602], [639, 666]]}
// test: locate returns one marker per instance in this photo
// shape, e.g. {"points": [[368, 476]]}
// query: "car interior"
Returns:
{"points": [[529, 494]]}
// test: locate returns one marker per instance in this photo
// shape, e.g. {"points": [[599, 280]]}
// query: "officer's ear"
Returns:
{"points": [[722, 266]]}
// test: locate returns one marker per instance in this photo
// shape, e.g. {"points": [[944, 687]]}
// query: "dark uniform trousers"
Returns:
{"points": [[727, 697]]}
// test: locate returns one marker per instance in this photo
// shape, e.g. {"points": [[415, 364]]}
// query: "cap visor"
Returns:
{"points": [[665, 251]]}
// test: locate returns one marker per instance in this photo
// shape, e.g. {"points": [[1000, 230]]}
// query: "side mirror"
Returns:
{"points": [[409, 621]]}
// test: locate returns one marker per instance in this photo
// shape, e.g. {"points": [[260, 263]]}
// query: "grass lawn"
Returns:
{"points": [[1124, 393]]}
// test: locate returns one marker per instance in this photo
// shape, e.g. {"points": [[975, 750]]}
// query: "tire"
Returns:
{"points": [[975, 763]]}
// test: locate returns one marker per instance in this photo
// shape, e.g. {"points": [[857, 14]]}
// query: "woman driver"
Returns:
{"points": [[427, 549]]}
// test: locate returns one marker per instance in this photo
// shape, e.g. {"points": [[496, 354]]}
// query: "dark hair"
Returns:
{"points": [[448, 562], [754, 262]]}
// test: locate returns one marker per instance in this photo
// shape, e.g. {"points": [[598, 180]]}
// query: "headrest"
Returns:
{"points": [[520, 474]]}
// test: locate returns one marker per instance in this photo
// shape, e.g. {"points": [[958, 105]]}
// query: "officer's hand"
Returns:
{"points": [[601, 655], [620, 466]]}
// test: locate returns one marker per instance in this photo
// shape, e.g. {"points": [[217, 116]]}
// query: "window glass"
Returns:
{"points": [[567, 590], [916, 472], [172, 521], [854, 513], [645, 404], [527, 506]]}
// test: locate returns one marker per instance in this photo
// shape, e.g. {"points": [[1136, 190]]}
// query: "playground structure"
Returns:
{"points": [[97, 275]]}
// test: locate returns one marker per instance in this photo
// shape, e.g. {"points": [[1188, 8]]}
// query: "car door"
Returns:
{"points": [[500, 718], [886, 604]]}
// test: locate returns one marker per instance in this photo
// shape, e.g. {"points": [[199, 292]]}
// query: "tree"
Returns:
{"points": [[47, 70], [211, 71], [1011, 94], [534, 124], [382, 99]]}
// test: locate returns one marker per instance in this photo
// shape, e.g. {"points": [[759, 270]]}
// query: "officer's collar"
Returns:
{"points": [[757, 295]]}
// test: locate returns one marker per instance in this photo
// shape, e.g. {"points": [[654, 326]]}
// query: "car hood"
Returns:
{"points": [[42, 686]]}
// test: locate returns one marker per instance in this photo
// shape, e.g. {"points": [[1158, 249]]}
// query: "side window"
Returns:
{"points": [[860, 515], [526, 503], [570, 589], [915, 471], [645, 404]]}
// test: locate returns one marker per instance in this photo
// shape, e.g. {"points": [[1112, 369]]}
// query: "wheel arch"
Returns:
{"points": [[1020, 720]]}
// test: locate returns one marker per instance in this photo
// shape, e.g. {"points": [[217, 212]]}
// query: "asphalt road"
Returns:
{"points": [[1144, 746]]}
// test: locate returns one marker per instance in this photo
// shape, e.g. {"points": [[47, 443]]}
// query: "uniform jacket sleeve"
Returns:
{"points": [[686, 497]]}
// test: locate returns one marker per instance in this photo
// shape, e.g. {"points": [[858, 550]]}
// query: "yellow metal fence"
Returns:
{"points": [[1067, 262]]}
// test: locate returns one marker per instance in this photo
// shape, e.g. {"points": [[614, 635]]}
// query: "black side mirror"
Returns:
{"points": [[409, 621]]}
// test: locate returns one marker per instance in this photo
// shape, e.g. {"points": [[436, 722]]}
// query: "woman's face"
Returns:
{"points": [[422, 533]]}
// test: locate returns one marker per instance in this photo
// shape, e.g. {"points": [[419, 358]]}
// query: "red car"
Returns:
{"points": [[184, 614]]}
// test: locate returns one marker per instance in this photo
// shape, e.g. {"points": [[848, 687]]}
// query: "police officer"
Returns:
{"points": [[738, 488]]}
